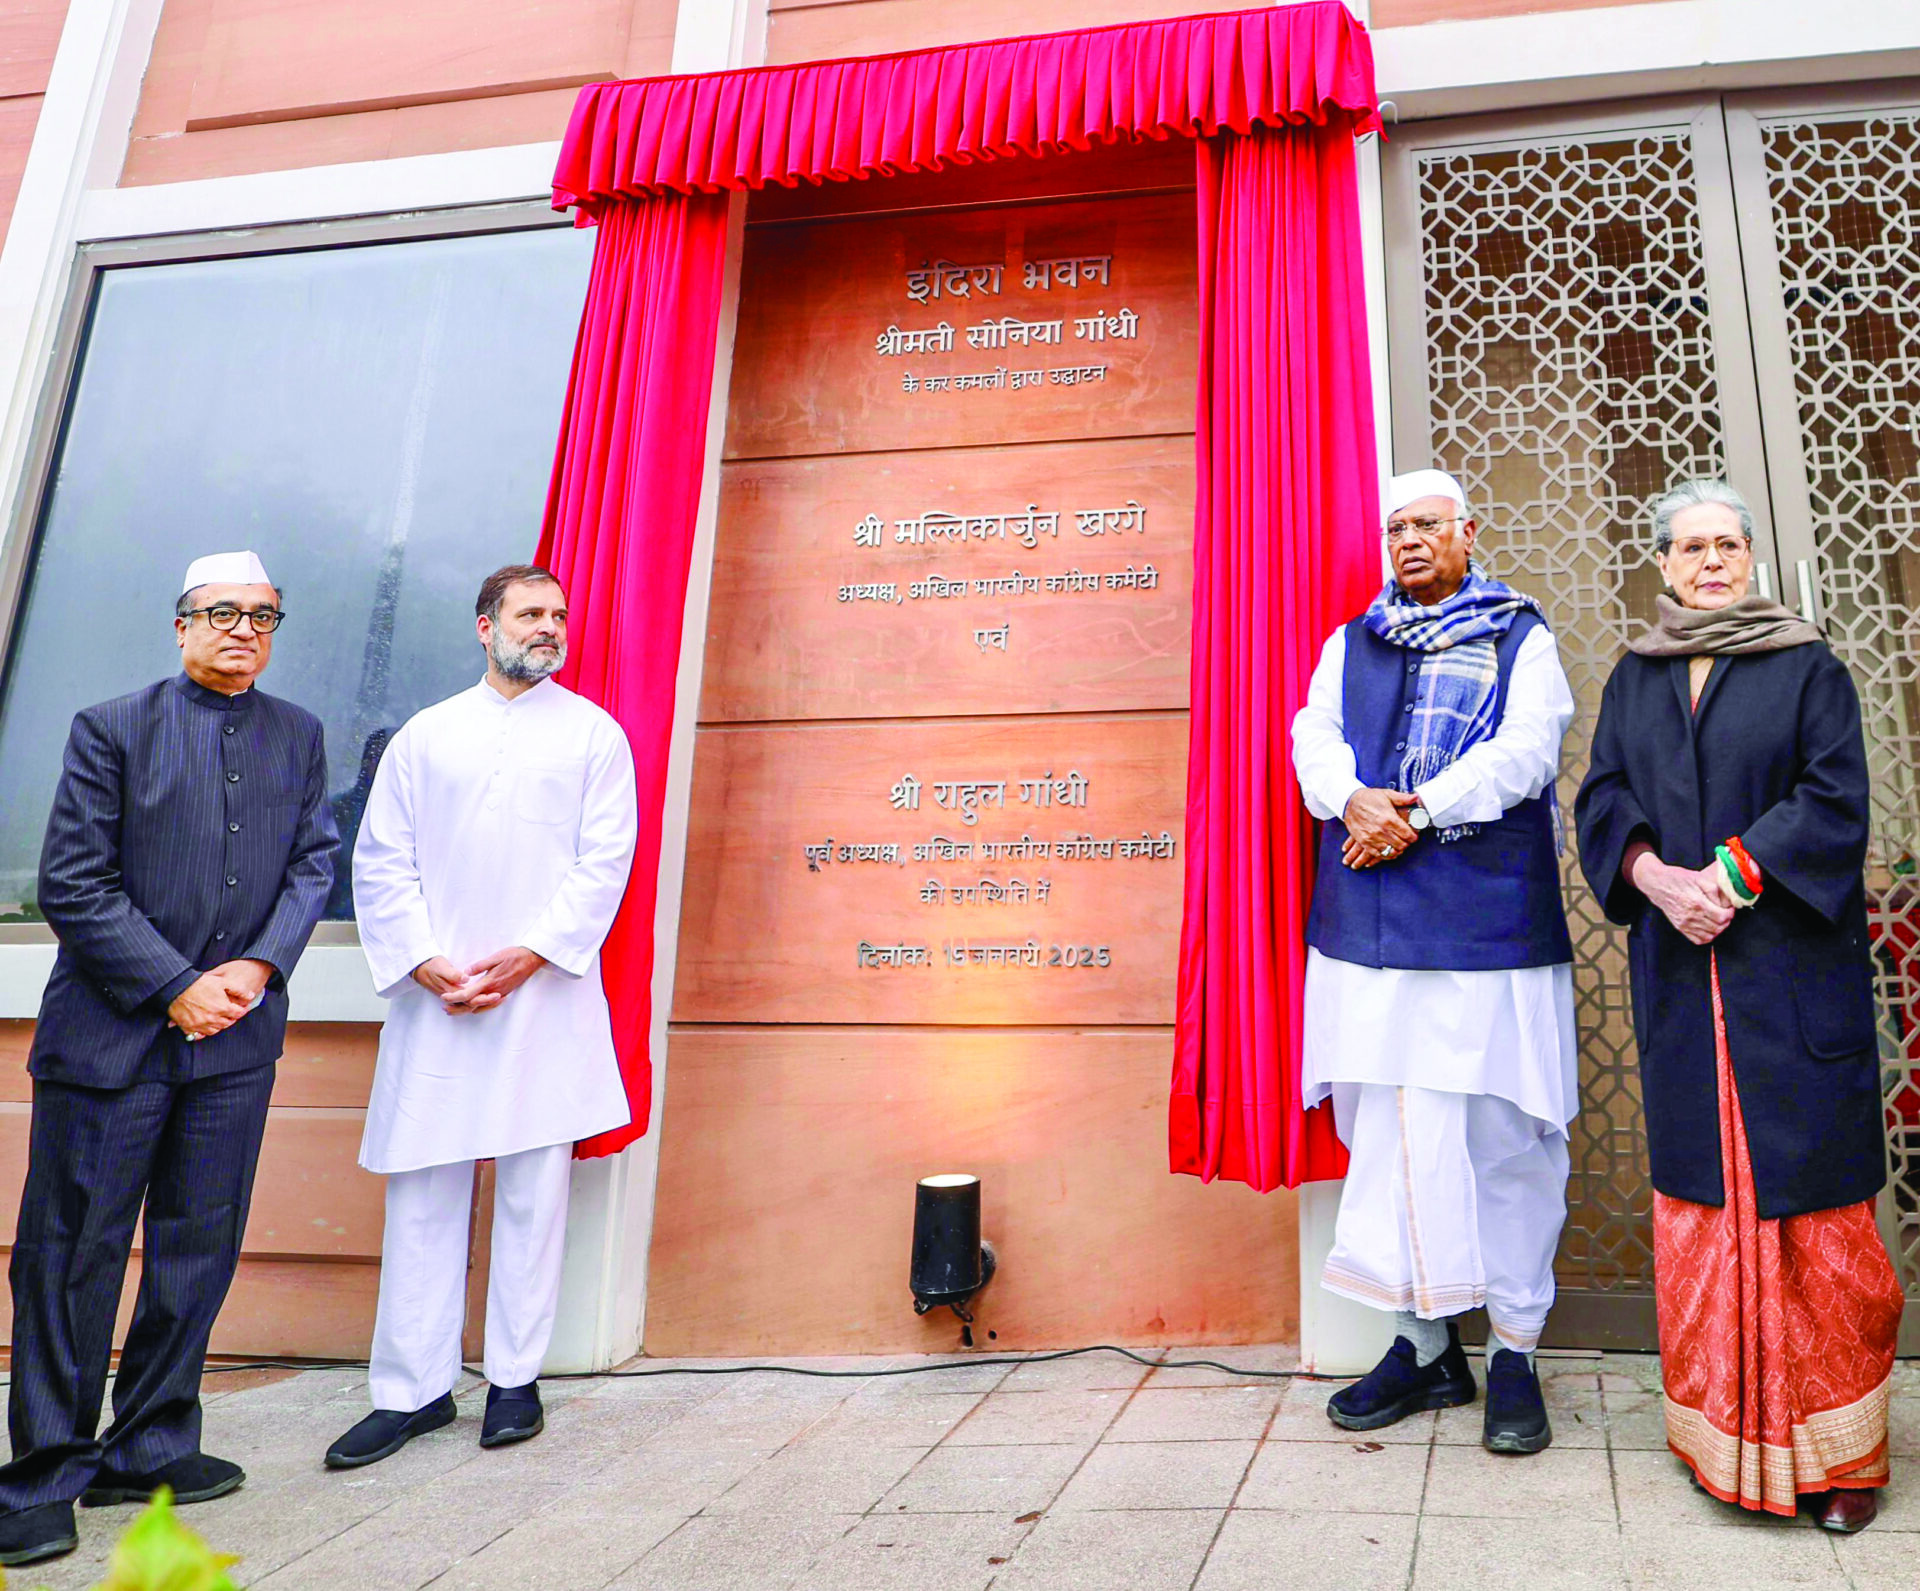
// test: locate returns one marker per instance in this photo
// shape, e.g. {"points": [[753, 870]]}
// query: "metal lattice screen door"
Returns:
{"points": [[1570, 329], [1828, 191]]}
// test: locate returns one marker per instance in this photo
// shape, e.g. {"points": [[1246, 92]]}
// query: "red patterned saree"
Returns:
{"points": [[1776, 1337]]}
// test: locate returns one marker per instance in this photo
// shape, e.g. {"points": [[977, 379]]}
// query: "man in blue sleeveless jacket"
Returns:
{"points": [[1439, 990]]}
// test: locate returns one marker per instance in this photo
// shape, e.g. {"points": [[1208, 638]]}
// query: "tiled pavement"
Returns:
{"points": [[1065, 1476]]}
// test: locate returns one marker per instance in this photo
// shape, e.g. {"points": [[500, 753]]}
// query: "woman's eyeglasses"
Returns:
{"points": [[1731, 549]]}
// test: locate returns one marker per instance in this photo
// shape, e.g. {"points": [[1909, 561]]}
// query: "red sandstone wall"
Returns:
{"points": [[29, 34], [818, 30], [1411, 13], [264, 85]]}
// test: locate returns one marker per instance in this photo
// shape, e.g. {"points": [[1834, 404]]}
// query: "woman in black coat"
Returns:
{"points": [[1724, 821]]}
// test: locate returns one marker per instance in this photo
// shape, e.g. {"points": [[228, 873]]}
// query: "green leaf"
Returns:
{"points": [[158, 1553]]}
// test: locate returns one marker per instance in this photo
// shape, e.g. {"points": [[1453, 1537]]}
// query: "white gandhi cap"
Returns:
{"points": [[1410, 488], [226, 569]]}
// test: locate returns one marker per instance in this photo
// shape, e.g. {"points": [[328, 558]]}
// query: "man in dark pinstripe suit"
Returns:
{"points": [[188, 855]]}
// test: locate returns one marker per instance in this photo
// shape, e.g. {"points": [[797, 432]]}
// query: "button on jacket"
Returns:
{"points": [[188, 829]]}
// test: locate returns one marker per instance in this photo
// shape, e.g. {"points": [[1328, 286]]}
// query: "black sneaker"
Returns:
{"points": [[1516, 1412], [513, 1415], [1398, 1386], [29, 1534], [385, 1431], [195, 1478]]}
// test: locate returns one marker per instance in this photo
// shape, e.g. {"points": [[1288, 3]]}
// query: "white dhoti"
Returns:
{"points": [[1452, 1092], [423, 1275], [1451, 1201]]}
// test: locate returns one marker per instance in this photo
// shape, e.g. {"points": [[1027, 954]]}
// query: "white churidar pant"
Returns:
{"points": [[1452, 1201], [423, 1274]]}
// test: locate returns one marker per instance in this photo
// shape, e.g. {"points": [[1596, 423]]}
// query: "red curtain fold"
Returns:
{"points": [[619, 531], [1285, 548], [1192, 76]]}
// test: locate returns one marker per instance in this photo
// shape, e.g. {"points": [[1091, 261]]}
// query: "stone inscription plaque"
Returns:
{"points": [[1007, 324], [1009, 871], [1020, 579]]}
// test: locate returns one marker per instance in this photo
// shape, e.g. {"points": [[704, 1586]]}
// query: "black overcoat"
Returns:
{"points": [[1774, 755], [188, 829]]}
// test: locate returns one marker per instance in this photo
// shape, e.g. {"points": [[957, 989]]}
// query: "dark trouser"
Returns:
{"points": [[188, 1150]]}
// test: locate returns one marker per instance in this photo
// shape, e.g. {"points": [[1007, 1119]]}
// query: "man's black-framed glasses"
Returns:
{"points": [[225, 616]]}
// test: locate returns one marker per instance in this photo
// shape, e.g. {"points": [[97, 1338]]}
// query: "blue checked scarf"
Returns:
{"points": [[1459, 676]]}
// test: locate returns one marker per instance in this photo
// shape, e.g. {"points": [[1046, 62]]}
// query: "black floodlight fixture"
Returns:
{"points": [[950, 1262]]}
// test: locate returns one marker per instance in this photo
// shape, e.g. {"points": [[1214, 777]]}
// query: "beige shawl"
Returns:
{"points": [[1753, 624]]}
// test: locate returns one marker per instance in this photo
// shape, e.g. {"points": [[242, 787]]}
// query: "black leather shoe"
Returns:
{"points": [[513, 1415], [196, 1478], [30, 1534], [1516, 1413], [385, 1431], [1398, 1386]]}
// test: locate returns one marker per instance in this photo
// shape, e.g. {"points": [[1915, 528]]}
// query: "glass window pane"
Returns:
{"points": [[378, 423]]}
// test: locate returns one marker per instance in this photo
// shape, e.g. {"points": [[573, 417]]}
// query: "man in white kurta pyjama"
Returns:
{"points": [[501, 817], [1441, 1025]]}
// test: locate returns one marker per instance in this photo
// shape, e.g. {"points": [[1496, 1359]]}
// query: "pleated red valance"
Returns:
{"points": [[882, 115]]}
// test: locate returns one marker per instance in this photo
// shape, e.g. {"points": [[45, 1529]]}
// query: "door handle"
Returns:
{"points": [[1763, 578], [1809, 593]]}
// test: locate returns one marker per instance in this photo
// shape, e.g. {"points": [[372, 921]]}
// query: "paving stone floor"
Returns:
{"points": [[1089, 1474]]}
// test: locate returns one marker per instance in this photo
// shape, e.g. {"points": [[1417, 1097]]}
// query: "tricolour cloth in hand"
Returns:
{"points": [[1453, 706]]}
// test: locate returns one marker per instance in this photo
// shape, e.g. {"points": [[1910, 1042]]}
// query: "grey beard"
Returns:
{"points": [[521, 664]]}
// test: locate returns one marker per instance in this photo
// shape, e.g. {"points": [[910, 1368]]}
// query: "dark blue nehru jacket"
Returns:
{"points": [[1488, 901]]}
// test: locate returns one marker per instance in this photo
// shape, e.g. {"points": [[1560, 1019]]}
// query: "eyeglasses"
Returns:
{"points": [[1425, 529], [1732, 549], [225, 616]]}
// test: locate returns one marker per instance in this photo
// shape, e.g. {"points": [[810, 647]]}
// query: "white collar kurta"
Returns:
{"points": [[494, 823]]}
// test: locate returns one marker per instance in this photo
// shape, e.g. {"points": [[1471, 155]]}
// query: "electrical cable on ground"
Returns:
{"points": [[928, 1368]]}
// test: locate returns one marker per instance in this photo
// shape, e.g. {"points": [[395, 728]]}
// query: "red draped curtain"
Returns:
{"points": [[1283, 549], [1287, 494], [619, 533]]}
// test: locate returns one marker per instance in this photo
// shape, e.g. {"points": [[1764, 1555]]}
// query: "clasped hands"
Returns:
{"points": [[217, 999], [483, 985], [1377, 827], [1691, 900]]}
